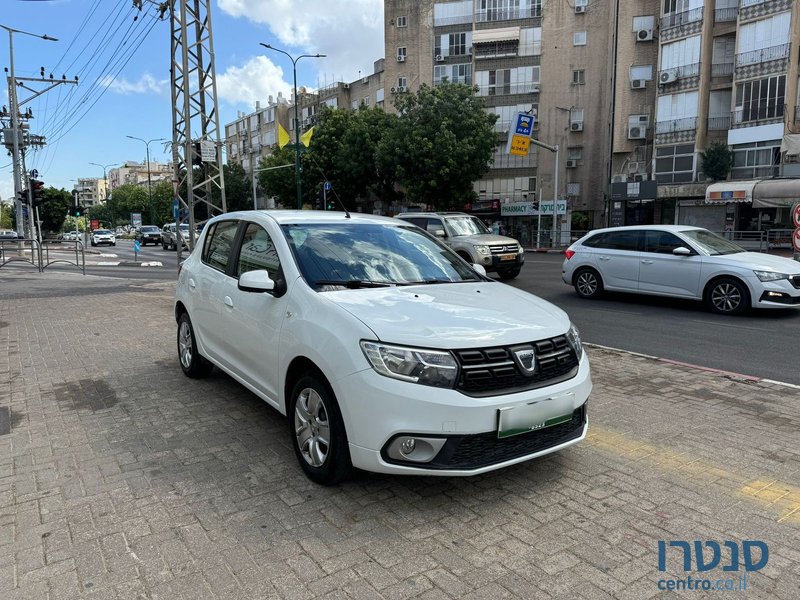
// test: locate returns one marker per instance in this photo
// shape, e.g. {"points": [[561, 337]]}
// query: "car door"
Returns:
{"points": [[662, 272], [617, 259], [253, 320], [207, 285]]}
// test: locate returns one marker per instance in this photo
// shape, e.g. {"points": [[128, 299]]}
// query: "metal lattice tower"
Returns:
{"points": [[198, 184]]}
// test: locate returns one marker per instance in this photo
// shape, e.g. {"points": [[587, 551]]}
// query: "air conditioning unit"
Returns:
{"points": [[402, 88], [346, 86], [619, 178], [637, 133], [576, 126], [579, 10], [644, 35], [401, 58], [640, 177], [572, 163], [534, 89], [638, 84], [667, 77], [439, 58], [635, 167], [393, 90]]}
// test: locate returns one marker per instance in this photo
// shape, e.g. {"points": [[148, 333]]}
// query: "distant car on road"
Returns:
{"points": [[8, 234], [169, 236], [682, 262], [148, 234], [103, 236]]}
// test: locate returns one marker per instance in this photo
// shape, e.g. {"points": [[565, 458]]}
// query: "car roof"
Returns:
{"points": [[434, 214], [648, 227], [286, 217]]}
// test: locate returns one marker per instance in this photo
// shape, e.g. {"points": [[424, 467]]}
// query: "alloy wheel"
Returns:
{"points": [[312, 427], [586, 283], [726, 297], [185, 345]]}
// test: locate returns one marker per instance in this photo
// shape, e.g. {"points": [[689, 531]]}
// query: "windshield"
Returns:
{"points": [[372, 255], [712, 243], [184, 227], [149, 229], [102, 231], [466, 226]]}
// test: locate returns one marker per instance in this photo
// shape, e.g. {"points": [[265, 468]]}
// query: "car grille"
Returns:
{"points": [[489, 371], [795, 281], [466, 452], [504, 248]]}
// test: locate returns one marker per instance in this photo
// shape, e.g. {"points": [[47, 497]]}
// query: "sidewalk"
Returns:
{"points": [[121, 478]]}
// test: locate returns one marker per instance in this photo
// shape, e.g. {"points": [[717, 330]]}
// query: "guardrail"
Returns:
{"points": [[763, 55], [687, 124], [80, 255], [721, 69], [719, 123], [682, 18], [722, 15], [15, 251]]}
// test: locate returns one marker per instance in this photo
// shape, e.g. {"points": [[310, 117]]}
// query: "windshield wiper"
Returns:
{"points": [[353, 284]]}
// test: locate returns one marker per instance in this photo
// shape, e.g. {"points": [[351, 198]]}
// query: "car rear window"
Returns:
{"points": [[219, 243]]}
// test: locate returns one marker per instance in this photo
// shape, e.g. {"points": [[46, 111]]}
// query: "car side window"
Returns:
{"points": [[598, 240], [661, 242], [258, 252], [219, 244], [624, 240], [418, 221], [435, 225]]}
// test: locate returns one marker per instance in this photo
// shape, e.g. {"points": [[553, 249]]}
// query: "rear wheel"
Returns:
{"points": [[192, 364], [727, 296], [317, 430], [509, 273], [588, 283]]}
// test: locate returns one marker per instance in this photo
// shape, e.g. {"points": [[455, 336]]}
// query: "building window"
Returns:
{"points": [[581, 2], [452, 73], [402, 22], [573, 189], [499, 82], [641, 72], [401, 53], [578, 77], [760, 99], [579, 38], [759, 159], [365, 101], [647, 23], [575, 153], [457, 44], [402, 81], [576, 115], [675, 164]]}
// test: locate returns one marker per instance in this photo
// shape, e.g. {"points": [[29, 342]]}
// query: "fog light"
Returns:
{"points": [[775, 294], [407, 446]]}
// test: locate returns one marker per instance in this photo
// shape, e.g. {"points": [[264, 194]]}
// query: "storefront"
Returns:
{"points": [[755, 205], [523, 220], [637, 203]]}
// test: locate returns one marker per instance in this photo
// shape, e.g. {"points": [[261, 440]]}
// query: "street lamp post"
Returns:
{"points": [[296, 118], [105, 190], [149, 189]]}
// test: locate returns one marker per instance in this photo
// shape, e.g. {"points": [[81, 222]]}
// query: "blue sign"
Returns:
{"points": [[136, 246], [524, 124], [175, 209], [328, 186]]}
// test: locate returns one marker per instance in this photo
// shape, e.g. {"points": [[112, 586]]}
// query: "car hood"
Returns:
{"points": [[759, 261], [457, 315], [484, 239]]}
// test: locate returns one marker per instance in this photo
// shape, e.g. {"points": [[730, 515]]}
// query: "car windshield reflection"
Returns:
{"points": [[711, 243], [358, 255]]}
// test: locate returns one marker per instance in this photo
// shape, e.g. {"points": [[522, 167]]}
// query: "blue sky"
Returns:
{"points": [[88, 123]]}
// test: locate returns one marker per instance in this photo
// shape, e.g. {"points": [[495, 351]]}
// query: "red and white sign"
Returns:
{"points": [[796, 240], [796, 215]]}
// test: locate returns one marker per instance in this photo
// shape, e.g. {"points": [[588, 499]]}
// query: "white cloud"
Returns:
{"points": [[257, 79], [7, 188], [145, 85], [349, 32]]}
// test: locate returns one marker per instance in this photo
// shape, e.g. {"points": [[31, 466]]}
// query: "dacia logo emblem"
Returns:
{"points": [[525, 358]]}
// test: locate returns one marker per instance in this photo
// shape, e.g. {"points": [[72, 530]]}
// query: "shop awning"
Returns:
{"points": [[730, 191], [776, 192], [500, 34]]}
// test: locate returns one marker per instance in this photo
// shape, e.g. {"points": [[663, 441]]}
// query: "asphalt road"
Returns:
{"points": [[761, 344]]}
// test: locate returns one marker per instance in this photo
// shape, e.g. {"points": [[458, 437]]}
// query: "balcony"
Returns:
{"points": [[763, 55], [722, 70], [757, 114], [681, 18], [505, 89], [719, 123], [676, 125], [506, 14], [674, 73], [453, 20], [725, 15]]}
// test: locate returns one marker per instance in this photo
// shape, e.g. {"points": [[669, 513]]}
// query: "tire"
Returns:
{"points": [[192, 363], [317, 431], [588, 283], [727, 296], [163, 246], [509, 273], [114, 244], [93, 244]]}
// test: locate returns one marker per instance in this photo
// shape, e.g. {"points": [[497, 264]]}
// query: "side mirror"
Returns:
{"points": [[682, 251], [439, 233], [479, 269], [256, 281]]}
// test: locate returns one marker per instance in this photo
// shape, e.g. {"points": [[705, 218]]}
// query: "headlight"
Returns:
{"points": [[574, 339], [485, 250], [417, 365], [520, 249], [770, 275]]}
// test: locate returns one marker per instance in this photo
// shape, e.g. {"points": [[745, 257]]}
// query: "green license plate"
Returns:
{"points": [[524, 418]]}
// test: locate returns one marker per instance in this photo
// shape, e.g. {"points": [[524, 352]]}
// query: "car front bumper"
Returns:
{"points": [[379, 410], [774, 294]]}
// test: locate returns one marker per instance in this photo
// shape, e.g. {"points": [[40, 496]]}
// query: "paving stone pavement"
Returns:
{"points": [[121, 478]]}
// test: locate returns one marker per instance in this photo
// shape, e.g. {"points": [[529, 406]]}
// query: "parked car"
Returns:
{"points": [[472, 241], [384, 349], [7, 234], [682, 262], [169, 236], [103, 236], [148, 234]]}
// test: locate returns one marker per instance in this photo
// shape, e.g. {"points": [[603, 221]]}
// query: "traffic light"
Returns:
{"points": [[37, 192], [319, 200]]}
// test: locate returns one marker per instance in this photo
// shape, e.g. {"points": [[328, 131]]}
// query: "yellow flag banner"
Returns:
{"points": [[283, 136], [306, 137]]}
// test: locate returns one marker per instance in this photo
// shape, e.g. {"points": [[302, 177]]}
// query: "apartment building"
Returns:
{"points": [[136, 173], [91, 191], [728, 72]]}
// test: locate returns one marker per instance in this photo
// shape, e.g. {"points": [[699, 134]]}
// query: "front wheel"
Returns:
{"points": [[588, 283], [192, 364], [317, 430], [509, 273], [728, 296]]}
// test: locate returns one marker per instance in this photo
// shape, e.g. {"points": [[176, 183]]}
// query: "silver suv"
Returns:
{"points": [[169, 236], [472, 240]]}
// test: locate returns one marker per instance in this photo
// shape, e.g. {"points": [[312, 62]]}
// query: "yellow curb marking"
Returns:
{"points": [[773, 494]]}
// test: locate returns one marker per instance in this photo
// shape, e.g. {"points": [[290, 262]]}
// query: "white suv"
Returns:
{"points": [[384, 349]]}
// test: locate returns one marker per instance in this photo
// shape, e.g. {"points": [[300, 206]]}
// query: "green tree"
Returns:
{"points": [[442, 144], [127, 199], [7, 209], [281, 182], [238, 188], [53, 211], [717, 161]]}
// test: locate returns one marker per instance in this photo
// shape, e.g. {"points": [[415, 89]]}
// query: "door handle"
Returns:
{"points": [[192, 284], [604, 258], [228, 302], [647, 262]]}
